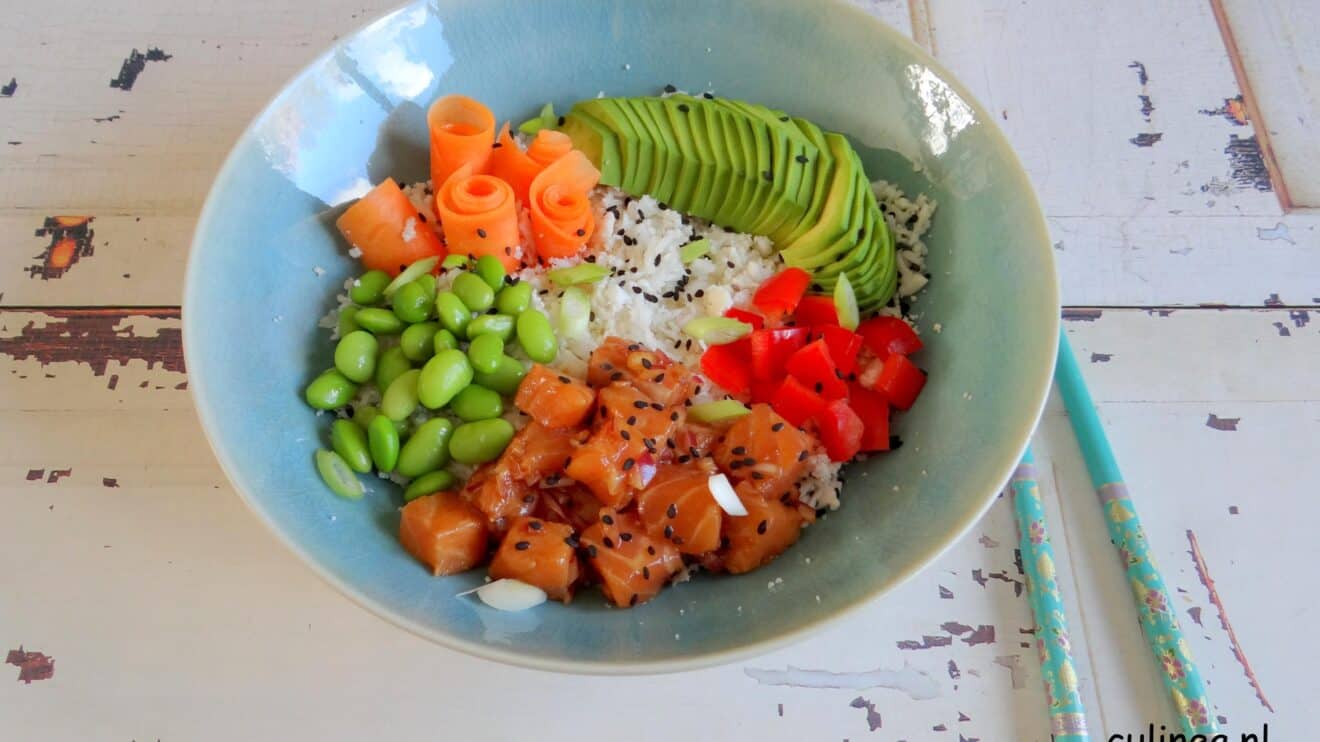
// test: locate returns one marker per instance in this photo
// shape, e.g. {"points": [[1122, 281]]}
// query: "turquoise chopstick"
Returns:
{"points": [[1067, 715], [1159, 623]]}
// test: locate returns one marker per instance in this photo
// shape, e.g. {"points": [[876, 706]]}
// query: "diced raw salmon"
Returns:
{"points": [[764, 450], [554, 399], [444, 532], [632, 566], [539, 553], [677, 506], [655, 374], [753, 540]]}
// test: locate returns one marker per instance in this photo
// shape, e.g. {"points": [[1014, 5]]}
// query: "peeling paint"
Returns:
{"points": [[1273, 300], [872, 716], [987, 542], [109, 482], [1228, 424], [1233, 111], [1101, 357], [927, 642], [953, 627], [980, 577], [982, 634], [9, 88], [133, 66], [96, 337], [945, 593], [910, 681], [1233, 510], [1142, 77], [1147, 139], [1278, 232], [31, 665], [1147, 108], [1247, 163], [1195, 613], [1283, 329], [954, 673], [35, 475], [57, 474], [1078, 314], [1300, 318], [70, 240], [1203, 573], [1016, 672]]}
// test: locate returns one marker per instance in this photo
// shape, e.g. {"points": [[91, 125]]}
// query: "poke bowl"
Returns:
{"points": [[637, 354]]}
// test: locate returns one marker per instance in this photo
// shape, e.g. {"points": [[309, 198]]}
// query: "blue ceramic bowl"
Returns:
{"points": [[255, 292]]}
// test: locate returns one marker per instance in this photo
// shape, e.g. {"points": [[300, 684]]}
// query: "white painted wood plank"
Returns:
{"points": [[1280, 52]]}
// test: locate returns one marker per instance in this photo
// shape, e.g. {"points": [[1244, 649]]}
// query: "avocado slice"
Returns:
{"points": [[823, 173], [841, 246], [786, 142], [597, 142], [742, 156], [605, 111], [665, 153], [833, 221], [690, 172], [639, 142], [731, 145]]}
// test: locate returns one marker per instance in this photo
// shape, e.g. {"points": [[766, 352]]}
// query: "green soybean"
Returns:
{"points": [[411, 303], [481, 441], [369, 288], [429, 484], [329, 391], [491, 271], [427, 282], [427, 448], [477, 403], [347, 320], [492, 324], [476, 294], [485, 352], [444, 340], [355, 356], [514, 300], [453, 313], [337, 476], [504, 379], [536, 336], [350, 442], [400, 398], [378, 321], [383, 441], [388, 367], [417, 342], [442, 377], [454, 261], [364, 414]]}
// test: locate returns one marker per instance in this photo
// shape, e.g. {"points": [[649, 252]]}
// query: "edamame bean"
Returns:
{"points": [[427, 282], [400, 398], [388, 367], [417, 342], [364, 414], [347, 321], [491, 271], [329, 391], [442, 377], [411, 303], [427, 449], [383, 441], [536, 336], [504, 379], [476, 294], [485, 352], [481, 441], [429, 484], [495, 324], [350, 442], [444, 340], [454, 261], [355, 356], [369, 288], [378, 321], [337, 476], [453, 313], [477, 403], [514, 300]]}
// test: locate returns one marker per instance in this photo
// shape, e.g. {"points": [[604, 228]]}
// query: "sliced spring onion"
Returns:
{"points": [[845, 303], [725, 497], [694, 250], [578, 274], [574, 314], [716, 412], [411, 273], [546, 119], [510, 595], [455, 261], [717, 330]]}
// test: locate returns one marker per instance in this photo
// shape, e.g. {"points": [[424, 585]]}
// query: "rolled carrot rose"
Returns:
{"points": [[462, 132], [562, 221], [479, 216]]}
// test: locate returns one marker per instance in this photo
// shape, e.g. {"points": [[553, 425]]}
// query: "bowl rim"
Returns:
{"points": [[1037, 232]]}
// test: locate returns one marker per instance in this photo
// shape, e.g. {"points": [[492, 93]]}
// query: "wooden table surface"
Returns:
{"points": [[1173, 146]]}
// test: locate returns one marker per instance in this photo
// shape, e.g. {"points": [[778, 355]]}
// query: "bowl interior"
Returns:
{"points": [[266, 264]]}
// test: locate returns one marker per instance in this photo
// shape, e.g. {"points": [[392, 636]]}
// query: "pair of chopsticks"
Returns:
{"points": [[1159, 624]]}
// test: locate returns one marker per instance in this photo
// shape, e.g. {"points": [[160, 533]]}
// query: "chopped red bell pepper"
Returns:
{"points": [[729, 366], [886, 335], [764, 390], [742, 315], [780, 295], [844, 347], [771, 349], [816, 310], [813, 366], [841, 430], [900, 381], [796, 403], [873, 408]]}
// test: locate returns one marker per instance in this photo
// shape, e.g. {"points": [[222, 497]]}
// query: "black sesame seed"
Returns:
{"points": [[672, 511], [783, 118], [496, 145], [637, 289], [777, 427], [571, 541], [609, 542], [819, 387], [535, 525], [673, 416], [646, 572], [739, 450], [628, 464], [708, 96], [607, 519], [699, 293], [639, 404], [625, 435], [646, 363], [749, 461], [565, 380], [683, 107], [760, 527], [650, 550], [735, 465], [625, 537], [562, 120], [529, 499], [657, 261], [895, 443], [632, 419], [617, 375], [481, 233], [730, 264], [684, 459], [657, 407], [669, 531], [671, 89], [757, 475], [802, 159], [523, 545], [651, 298], [802, 456], [591, 550], [658, 378]]}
